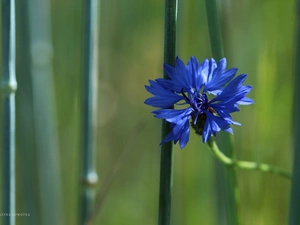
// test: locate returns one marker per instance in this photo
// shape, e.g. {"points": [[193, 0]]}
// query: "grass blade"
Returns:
{"points": [[294, 216], [90, 74], [9, 87]]}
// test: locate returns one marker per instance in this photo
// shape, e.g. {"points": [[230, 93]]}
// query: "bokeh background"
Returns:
{"points": [[258, 38]]}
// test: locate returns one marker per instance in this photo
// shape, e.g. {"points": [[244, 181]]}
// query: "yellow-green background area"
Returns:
{"points": [[258, 38]]}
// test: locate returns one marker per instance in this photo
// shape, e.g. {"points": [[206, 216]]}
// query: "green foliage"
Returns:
{"points": [[294, 217]]}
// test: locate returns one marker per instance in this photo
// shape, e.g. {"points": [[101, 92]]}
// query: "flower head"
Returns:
{"points": [[191, 86]]}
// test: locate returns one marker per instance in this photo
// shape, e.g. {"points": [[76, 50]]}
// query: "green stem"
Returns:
{"points": [[89, 174], [229, 181], [9, 87], [245, 164], [294, 215], [214, 28], [166, 149]]}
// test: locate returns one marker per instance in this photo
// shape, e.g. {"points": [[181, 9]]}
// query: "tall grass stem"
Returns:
{"points": [[294, 215], [231, 200], [90, 82], [9, 87], [166, 165]]}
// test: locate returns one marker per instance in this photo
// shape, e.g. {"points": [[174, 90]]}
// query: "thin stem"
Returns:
{"points": [[9, 87], [166, 165], [89, 176], [245, 164], [230, 183], [294, 215]]}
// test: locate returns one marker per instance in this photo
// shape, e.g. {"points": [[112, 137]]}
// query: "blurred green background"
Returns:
{"points": [[258, 38]]}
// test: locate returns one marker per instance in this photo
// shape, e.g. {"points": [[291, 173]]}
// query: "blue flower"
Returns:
{"points": [[192, 86]]}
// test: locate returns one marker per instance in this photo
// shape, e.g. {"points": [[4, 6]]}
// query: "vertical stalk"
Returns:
{"points": [[214, 28], [231, 201], [294, 216], [90, 73], [166, 167], [44, 107], [25, 135], [9, 87]]}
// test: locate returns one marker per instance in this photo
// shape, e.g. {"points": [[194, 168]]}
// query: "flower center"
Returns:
{"points": [[198, 123], [199, 103]]}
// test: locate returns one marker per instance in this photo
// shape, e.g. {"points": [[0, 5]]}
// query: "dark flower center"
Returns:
{"points": [[200, 122], [199, 103]]}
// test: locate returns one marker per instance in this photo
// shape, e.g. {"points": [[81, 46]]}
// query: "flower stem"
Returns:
{"points": [[245, 164], [9, 87], [166, 149], [230, 181]]}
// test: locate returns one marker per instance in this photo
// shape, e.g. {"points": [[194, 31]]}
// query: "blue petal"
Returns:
{"points": [[185, 135], [186, 72], [220, 67], [238, 94], [245, 101], [179, 125], [219, 78], [156, 88], [169, 85], [160, 102], [181, 71], [171, 137], [216, 91], [241, 92], [206, 133], [231, 89], [224, 106], [172, 115], [229, 130], [211, 67], [180, 134], [171, 72], [205, 70], [214, 124], [198, 72], [178, 75], [163, 98], [225, 115]]}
